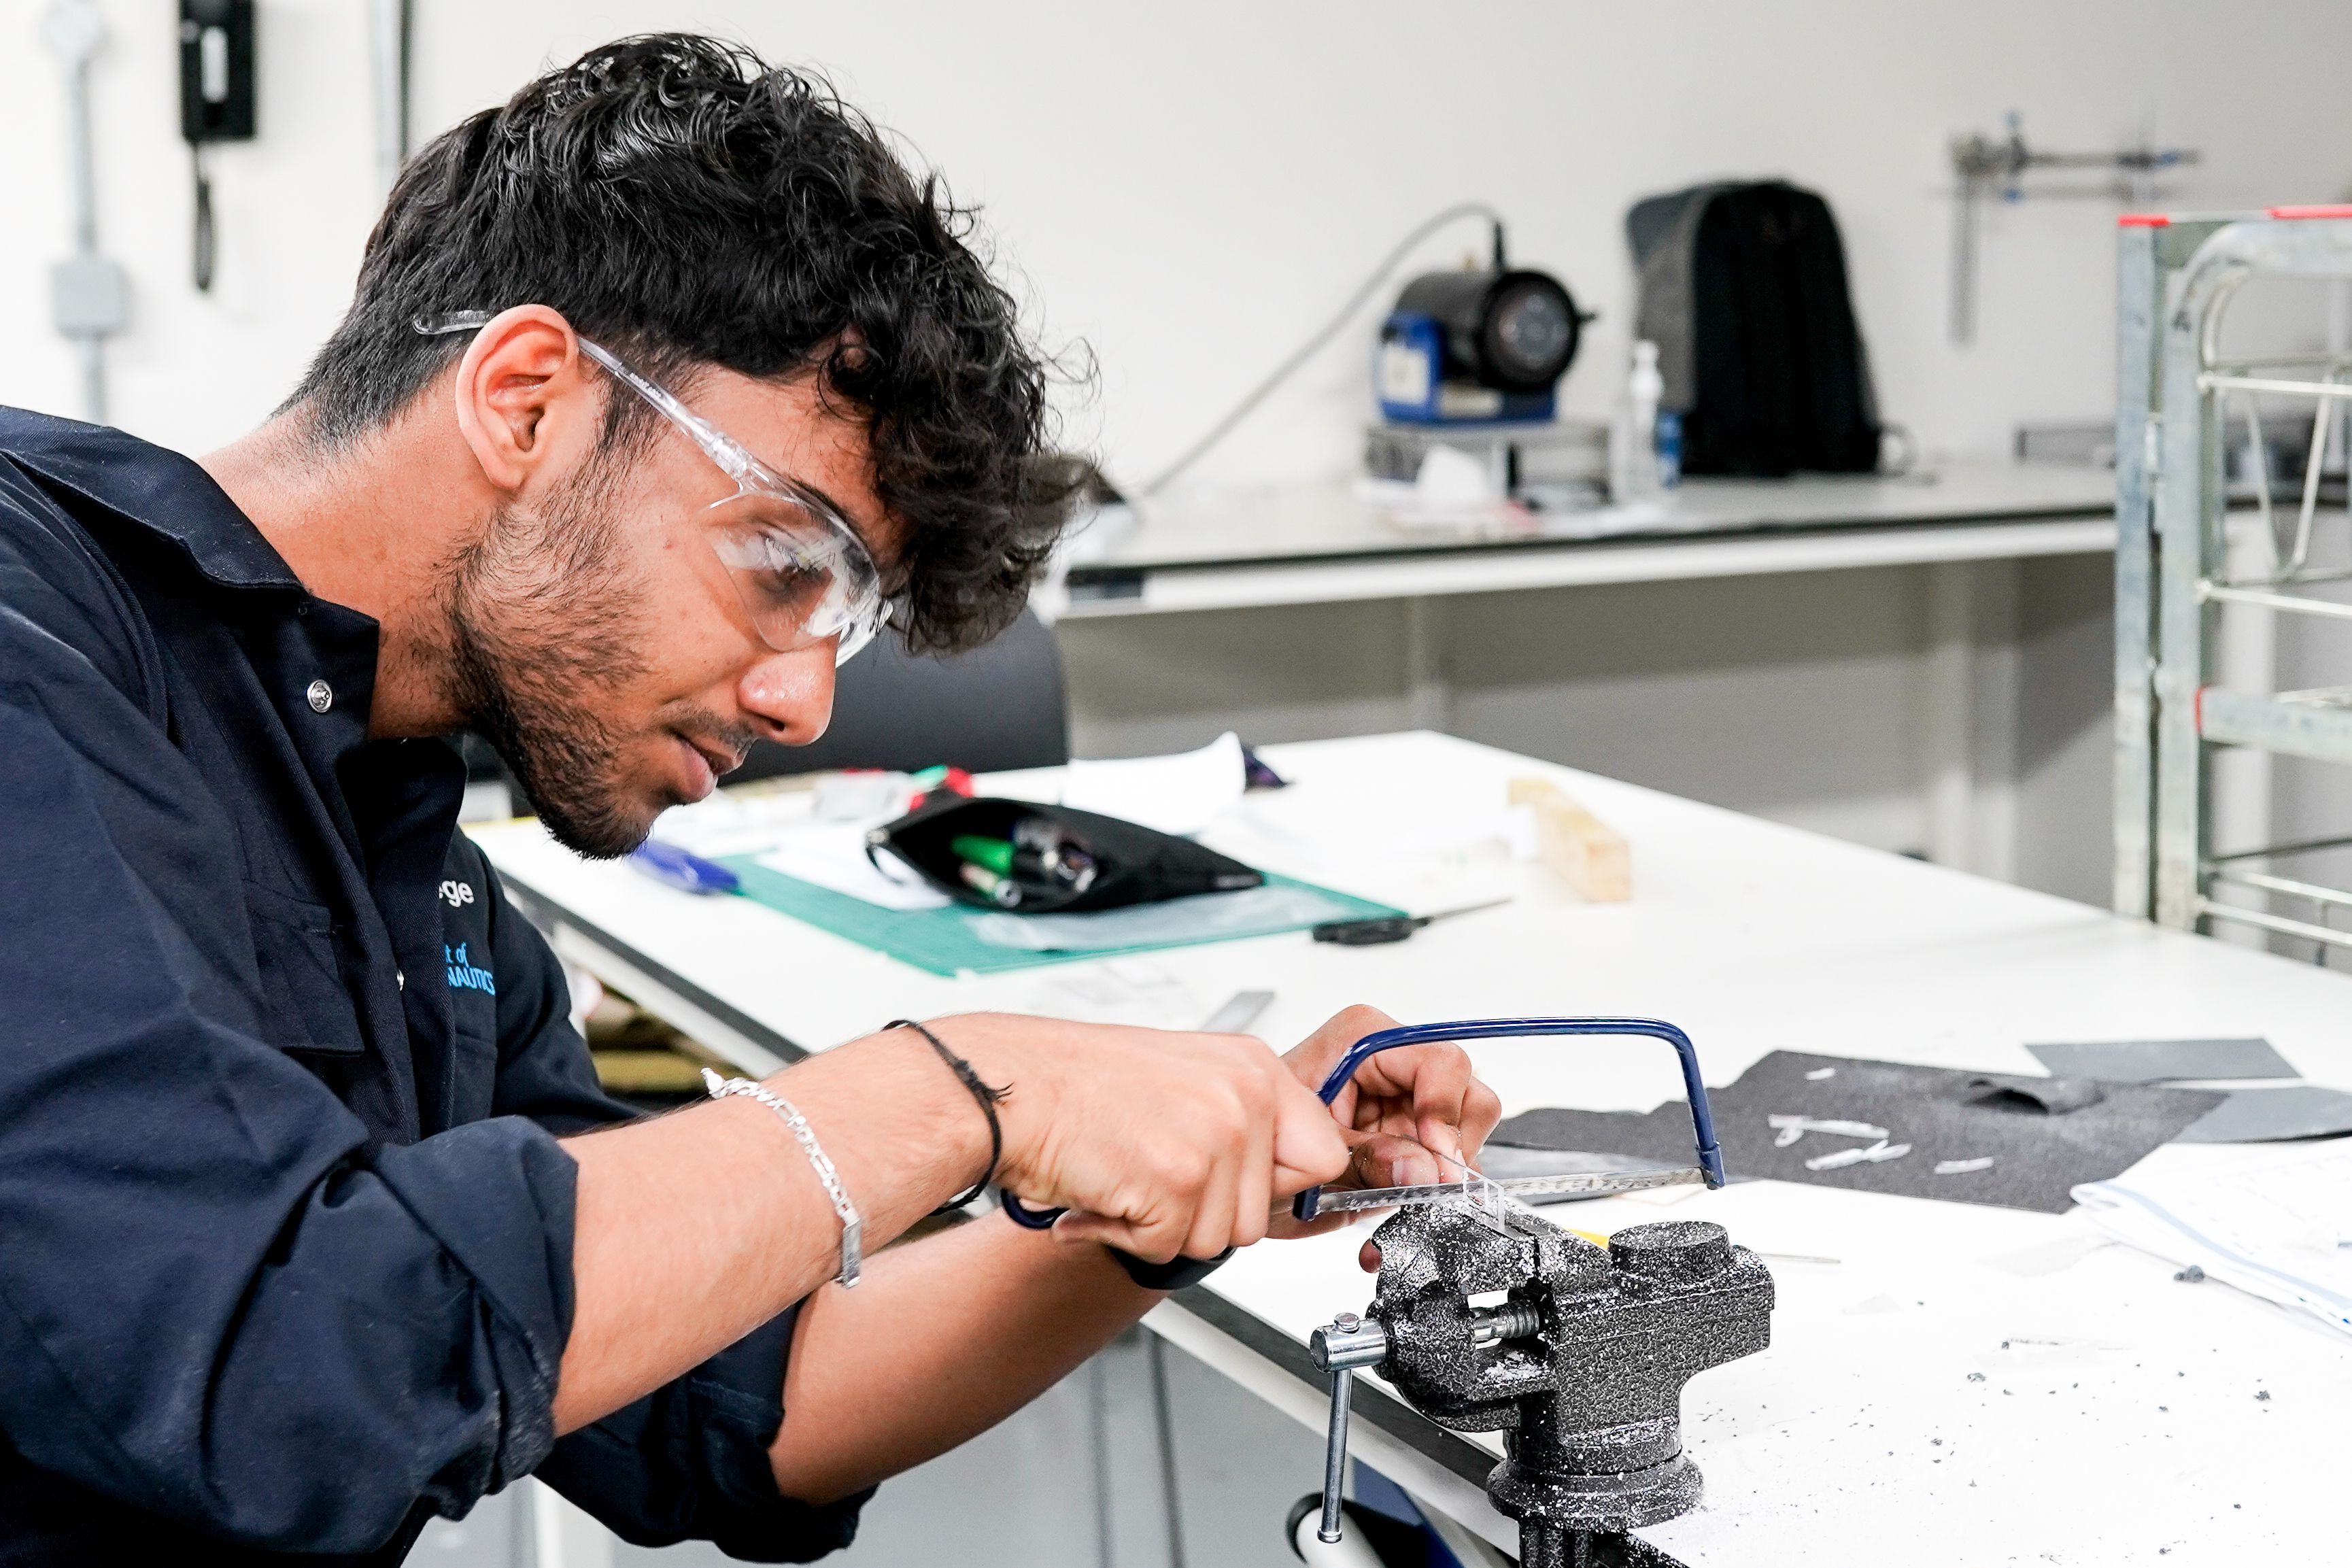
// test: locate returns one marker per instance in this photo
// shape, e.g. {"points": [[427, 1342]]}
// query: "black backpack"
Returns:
{"points": [[1743, 289]]}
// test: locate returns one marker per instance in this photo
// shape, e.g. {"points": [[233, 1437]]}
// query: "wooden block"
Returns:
{"points": [[1581, 848]]}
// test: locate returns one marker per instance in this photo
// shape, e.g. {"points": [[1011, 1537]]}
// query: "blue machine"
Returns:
{"points": [[1479, 346]]}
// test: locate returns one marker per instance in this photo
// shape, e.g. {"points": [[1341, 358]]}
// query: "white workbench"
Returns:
{"points": [[2116, 1419], [1322, 545]]}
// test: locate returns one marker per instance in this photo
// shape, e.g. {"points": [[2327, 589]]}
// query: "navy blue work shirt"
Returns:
{"points": [[285, 1232]]}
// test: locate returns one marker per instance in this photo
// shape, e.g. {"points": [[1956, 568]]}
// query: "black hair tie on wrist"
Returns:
{"points": [[982, 1092]]}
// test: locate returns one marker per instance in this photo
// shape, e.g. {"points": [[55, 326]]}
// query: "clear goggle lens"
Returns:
{"points": [[801, 577]]}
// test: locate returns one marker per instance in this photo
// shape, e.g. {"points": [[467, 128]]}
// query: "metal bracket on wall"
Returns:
{"points": [[1986, 168]]}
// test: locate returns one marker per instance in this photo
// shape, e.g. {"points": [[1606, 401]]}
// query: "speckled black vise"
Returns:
{"points": [[1582, 1363]]}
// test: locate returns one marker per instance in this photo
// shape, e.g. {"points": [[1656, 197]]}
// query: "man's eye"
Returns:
{"points": [[780, 567]]}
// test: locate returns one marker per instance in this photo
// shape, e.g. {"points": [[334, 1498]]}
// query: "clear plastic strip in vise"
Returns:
{"points": [[1492, 1198]]}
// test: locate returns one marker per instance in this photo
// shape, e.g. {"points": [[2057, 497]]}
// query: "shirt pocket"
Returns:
{"points": [[306, 1005]]}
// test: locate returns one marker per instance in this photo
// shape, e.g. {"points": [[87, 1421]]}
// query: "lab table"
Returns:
{"points": [[1319, 544], [1946, 1383]]}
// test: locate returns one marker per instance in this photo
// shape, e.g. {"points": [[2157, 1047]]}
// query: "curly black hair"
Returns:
{"points": [[684, 202]]}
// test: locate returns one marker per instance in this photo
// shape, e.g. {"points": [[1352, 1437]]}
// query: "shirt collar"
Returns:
{"points": [[160, 491]]}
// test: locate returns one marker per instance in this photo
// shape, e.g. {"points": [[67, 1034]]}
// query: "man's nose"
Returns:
{"points": [[789, 696]]}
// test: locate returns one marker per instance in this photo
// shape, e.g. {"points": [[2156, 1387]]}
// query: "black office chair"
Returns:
{"points": [[1002, 705]]}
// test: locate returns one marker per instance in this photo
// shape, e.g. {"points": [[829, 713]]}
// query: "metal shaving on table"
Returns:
{"points": [[1791, 1128], [1876, 1153]]}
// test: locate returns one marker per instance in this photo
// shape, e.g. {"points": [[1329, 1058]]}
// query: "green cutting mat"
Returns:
{"points": [[943, 941]]}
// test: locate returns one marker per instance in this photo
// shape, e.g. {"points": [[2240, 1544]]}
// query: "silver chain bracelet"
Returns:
{"points": [[852, 1228]]}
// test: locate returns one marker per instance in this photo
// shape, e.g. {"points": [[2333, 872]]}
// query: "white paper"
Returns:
{"points": [[832, 855], [1182, 794], [1461, 854], [1131, 991], [2276, 1228]]}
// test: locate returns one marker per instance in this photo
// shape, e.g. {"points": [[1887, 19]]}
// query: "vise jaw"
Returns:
{"points": [[1489, 1321]]}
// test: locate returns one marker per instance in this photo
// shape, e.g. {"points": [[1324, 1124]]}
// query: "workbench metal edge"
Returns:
{"points": [[1104, 592]]}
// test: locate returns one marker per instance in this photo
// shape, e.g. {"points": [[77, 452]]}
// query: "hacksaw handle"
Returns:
{"points": [[1306, 1204], [1025, 1217]]}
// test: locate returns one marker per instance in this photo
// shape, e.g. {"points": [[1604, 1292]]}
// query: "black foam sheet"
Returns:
{"points": [[2044, 1136]]}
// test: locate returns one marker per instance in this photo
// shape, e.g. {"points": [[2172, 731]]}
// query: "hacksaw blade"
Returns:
{"points": [[1581, 1184]]}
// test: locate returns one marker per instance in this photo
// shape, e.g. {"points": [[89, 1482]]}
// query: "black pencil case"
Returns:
{"points": [[1132, 865]]}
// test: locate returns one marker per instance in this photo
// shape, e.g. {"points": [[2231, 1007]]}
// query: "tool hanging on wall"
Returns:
{"points": [[216, 98], [88, 299], [1986, 168]]}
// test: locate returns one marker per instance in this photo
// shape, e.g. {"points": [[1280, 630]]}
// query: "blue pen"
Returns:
{"points": [[668, 864]]}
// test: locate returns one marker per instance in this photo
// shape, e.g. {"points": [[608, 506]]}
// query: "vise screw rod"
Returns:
{"points": [[1348, 1342]]}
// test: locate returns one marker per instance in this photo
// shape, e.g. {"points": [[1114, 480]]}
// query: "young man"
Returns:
{"points": [[663, 387]]}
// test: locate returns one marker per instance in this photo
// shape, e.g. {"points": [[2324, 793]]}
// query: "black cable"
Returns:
{"points": [[1325, 333]]}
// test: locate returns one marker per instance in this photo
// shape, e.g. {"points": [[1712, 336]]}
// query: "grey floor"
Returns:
{"points": [[1057, 1486]]}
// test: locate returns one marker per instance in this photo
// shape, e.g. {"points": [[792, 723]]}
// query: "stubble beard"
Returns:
{"points": [[544, 621]]}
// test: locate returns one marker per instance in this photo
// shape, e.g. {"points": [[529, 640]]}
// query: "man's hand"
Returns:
{"points": [[1157, 1143], [1162, 1143], [1406, 1113]]}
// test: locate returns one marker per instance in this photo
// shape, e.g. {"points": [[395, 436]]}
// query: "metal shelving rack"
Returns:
{"points": [[2176, 397]]}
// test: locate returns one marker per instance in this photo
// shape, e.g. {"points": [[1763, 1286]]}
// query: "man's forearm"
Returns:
{"points": [[946, 1337], [692, 1229], [695, 1228]]}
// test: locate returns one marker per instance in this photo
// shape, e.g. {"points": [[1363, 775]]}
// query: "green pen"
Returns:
{"points": [[991, 853]]}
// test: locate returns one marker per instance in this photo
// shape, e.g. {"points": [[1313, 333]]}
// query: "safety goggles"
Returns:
{"points": [[802, 571]]}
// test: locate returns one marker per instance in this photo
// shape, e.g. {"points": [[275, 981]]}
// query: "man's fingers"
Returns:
{"points": [[1384, 1160], [1442, 1082], [1431, 1091], [1482, 1110], [1308, 1149], [1312, 1059], [1254, 1198], [1231, 1141]]}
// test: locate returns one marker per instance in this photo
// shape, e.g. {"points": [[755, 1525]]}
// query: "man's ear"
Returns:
{"points": [[522, 393]]}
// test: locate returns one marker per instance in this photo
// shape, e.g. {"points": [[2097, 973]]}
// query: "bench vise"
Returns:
{"points": [[1580, 1362]]}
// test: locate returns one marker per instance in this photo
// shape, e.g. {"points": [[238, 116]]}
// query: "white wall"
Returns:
{"points": [[1187, 187]]}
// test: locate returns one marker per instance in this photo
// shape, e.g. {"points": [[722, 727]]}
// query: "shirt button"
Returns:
{"points": [[399, 981], [322, 696]]}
